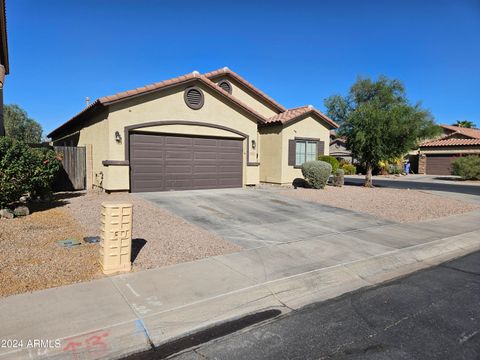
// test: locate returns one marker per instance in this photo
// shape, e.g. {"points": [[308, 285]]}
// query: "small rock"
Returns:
{"points": [[23, 199], [21, 211], [6, 214]]}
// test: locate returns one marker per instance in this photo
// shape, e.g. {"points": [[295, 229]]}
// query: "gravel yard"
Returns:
{"points": [[31, 259], [398, 205], [161, 237]]}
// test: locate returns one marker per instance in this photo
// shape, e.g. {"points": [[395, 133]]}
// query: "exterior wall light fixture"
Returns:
{"points": [[118, 137], [254, 144]]}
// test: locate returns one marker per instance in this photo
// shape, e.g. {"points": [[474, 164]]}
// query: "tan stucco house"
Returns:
{"points": [[196, 131], [435, 156]]}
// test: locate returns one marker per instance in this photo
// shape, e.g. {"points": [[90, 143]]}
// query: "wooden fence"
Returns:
{"points": [[73, 172]]}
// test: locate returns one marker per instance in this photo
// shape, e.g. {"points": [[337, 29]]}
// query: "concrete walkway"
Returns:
{"points": [[113, 317]]}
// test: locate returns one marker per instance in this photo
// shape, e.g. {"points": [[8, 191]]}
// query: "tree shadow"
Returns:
{"points": [[57, 200], [137, 246]]}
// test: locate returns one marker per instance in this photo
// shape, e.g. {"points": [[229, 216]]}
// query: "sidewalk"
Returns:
{"points": [[117, 316]]}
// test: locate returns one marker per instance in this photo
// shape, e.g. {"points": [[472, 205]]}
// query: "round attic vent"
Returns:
{"points": [[194, 98], [225, 85]]}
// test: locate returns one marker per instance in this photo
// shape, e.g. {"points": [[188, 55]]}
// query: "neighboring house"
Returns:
{"points": [[436, 155], [4, 68], [338, 148], [197, 131]]}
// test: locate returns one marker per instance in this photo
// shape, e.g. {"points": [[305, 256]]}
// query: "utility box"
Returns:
{"points": [[116, 237]]}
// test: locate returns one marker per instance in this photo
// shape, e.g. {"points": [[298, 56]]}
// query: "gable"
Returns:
{"points": [[249, 98], [139, 95], [170, 105]]}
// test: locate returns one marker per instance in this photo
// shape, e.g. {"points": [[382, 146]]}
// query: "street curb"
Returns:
{"points": [[175, 328], [296, 291]]}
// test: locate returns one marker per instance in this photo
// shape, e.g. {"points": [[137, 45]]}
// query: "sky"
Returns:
{"points": [[298, 52]]}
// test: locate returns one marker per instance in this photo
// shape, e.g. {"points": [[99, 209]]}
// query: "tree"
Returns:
{"points": [[464, 124], [20, 126], [379, 122]]}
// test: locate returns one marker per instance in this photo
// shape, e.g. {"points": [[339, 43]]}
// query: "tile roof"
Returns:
{"points": [[227, 71], [285, 116], [470, 132], [451, 142], [296, 113], [471, 137], [184, 79]]}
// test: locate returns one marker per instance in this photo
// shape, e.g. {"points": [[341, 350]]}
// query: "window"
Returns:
{"points": [[305, 151]]}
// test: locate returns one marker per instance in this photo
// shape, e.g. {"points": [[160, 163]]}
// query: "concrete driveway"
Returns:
{"points": [[255, 218]]}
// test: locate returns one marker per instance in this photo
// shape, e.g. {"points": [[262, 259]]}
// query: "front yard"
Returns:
{"points": [[31, 259]]}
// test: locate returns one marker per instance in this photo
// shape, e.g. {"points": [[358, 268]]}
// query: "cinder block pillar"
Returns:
{"points": [[116, 238], [422, 164]]}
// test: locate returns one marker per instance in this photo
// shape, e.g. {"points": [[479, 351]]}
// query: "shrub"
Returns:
{"points": [[331, 160], [467, 167], [25, 170], [338, 178], [349, 169], [317, 173]]}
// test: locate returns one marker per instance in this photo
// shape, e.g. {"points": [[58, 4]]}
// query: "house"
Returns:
{"points": [[338, 148], [4, 67], [196, 131], [436, 155]]}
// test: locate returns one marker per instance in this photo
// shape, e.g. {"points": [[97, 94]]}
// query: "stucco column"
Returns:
{"points": [[422, 164]]}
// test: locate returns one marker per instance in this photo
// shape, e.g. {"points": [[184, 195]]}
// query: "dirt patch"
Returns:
{"points": [[400, 205], [31, 259]]}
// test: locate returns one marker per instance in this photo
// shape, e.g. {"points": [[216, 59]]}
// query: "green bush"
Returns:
{"points": [[331, 160], [348, 168], [338, 178], [25, 170], [317, 173], [467, 167]]}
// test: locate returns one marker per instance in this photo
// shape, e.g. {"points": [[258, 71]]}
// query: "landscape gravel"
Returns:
{"points": [[400, 205], [160, 237], [31, 259]]}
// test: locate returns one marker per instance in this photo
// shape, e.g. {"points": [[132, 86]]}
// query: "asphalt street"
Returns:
{"points": [[431, 314], [419, 185]]}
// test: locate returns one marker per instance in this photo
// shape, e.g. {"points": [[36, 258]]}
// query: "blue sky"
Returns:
{"points": [[298, 52]]}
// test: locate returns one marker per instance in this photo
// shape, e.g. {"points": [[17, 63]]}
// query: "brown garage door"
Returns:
{"points": [[167, 162], [440, 164]]}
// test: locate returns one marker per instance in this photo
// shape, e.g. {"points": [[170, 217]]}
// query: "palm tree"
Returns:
{"points": [[464, 124]]}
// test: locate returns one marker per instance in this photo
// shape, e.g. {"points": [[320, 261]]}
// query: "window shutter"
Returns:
{"points": [[291, 152], [321, 148]]}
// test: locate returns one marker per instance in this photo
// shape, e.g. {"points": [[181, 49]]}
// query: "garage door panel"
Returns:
{"points": [[179, 155], [148, 169], [202, 169], [440, 164], [175, 141], [164, 162], [207, 142], [228, 156], [204, 155]]}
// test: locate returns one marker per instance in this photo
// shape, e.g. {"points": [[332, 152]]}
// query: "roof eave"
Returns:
{"points": [[103, 102], [227, 72], [96, 105], [3, 35]]}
